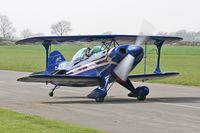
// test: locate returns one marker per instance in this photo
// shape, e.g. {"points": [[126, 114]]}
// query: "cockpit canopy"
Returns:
{"points": [[81, 54]]}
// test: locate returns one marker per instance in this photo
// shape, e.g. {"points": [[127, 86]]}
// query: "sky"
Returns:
{"points": [[98, 16]]}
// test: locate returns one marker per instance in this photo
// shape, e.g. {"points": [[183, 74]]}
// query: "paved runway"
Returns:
{"points": [[168, 108]]}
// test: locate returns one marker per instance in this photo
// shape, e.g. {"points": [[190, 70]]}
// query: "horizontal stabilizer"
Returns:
{"points": [[74, 81], [153, 76]]}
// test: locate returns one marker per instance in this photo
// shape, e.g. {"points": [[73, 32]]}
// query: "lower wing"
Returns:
{"points": [[144, 77], [74, 81]]}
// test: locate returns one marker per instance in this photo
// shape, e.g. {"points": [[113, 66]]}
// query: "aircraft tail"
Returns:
{"points": [[55, 58]]}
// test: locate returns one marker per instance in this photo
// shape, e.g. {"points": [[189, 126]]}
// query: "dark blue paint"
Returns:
{"points": [[97, 93], [105, 73], [46, 45], [159, 46], [55, 58], [90, 38]]}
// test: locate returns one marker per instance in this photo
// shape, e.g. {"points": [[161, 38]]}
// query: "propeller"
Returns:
{"points": [[124, 67], [146, 28]]}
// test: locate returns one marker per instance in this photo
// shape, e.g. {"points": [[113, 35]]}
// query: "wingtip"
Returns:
{"points": [[170, 73], [17, 42], [23, 79], [19, 80]]}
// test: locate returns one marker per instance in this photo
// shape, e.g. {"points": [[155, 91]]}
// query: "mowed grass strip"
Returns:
{"points": [[184, 59], [30, 58], [13, 122]]}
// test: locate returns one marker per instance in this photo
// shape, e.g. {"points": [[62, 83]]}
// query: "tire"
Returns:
{"points": [[51, 94], [99, 100], [141, 98]]}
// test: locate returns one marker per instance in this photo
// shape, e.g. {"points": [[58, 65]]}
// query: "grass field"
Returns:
{"points": [[184, 59], [12, 122]]}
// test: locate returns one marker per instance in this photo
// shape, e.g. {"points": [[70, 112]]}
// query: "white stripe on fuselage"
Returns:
{"points": [[93, 67], [105, 61]]}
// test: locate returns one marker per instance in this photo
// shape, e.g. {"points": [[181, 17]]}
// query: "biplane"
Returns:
{"points": [[101, 66]]}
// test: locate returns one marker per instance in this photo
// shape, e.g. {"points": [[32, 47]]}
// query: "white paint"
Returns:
{"points": [[124, 67]]}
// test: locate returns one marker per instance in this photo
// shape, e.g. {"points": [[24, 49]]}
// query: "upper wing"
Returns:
{"points": [[144, 77], [74, 81], [90, 38]]}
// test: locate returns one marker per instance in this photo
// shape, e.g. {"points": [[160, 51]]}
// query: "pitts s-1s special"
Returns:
{"points": [[101, 66]]}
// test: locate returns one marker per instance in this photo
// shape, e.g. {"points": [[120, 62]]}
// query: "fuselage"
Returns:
{"points": [[103, 63]]}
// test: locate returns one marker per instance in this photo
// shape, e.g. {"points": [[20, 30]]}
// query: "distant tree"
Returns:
{"points": [[6, 27], [182, 33], [61, 28], [162, 33], [189, 37], [26, 33], [1, 39]]}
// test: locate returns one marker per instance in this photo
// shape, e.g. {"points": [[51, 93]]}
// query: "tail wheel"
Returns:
{"points": [[51, 94]]}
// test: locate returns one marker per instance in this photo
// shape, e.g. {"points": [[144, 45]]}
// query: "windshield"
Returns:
{"points": [[81, 54], [96, 49]]}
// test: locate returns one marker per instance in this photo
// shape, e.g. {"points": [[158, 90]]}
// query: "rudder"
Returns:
{"points": [[55, 58]]}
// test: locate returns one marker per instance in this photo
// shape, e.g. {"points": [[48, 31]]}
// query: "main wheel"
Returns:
{"points": [[99, 99], [51, 94], [141, 98]]}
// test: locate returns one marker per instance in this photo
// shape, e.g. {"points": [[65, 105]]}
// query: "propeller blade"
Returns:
{"points": [[146, 28], [124, 67], [140, 40]]}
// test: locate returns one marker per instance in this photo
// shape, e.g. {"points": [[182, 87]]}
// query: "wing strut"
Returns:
{"points": [[145, 56], [158, 44], [47, 45]]}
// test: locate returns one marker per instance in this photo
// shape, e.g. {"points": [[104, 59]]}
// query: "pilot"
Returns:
{"points": [[87, 53]]}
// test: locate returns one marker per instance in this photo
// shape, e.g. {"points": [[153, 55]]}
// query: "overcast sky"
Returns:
{"points": [[98, 16]]}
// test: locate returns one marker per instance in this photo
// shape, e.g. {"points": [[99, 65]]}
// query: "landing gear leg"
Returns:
{"points": [[52, 91], [140, 92], [100, 93]]}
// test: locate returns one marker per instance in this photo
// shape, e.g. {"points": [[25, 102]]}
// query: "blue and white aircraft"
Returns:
{"points": [[101, 66]]}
